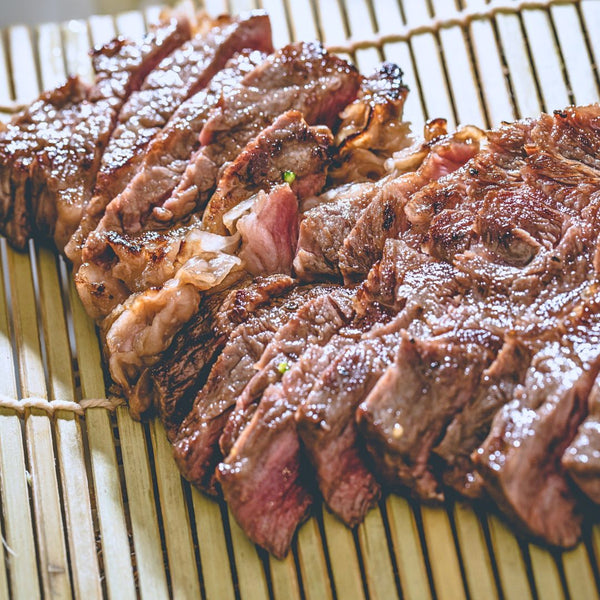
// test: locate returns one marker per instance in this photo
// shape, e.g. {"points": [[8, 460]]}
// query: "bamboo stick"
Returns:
{"points": [[114, 537], [216, 569], [410, 555], [176, 520], [429, 66], [251, 576], [69, 442], [18, 545]]}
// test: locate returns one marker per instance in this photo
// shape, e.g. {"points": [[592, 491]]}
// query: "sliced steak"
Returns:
{"points": [[385, 216], [412, 404], [168, 153], [301, 77], [266, 469], [315, 322], [288, 147], [60, 139], [520, 459], [582, 458], [178, 76], [371, 129], [195, 446], [172, 382], [324, 227], [124, 263]]}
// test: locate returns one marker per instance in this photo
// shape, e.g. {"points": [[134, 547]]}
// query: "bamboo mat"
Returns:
{"points": [[91, 502]]}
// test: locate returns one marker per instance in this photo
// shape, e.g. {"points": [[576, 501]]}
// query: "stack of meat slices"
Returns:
{"points": [[313, 303]]}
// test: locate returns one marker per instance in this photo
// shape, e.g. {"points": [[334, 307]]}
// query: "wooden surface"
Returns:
{"points": [[94, 507]]}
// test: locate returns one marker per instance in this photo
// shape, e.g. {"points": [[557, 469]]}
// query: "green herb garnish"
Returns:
{"points": [[289, 176], [283, 367]]}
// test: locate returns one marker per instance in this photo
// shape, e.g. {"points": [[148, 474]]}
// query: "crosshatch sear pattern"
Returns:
{"points": [[92, 504]]}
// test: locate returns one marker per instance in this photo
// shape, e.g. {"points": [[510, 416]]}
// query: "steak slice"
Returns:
{"points": [[324, 227], [413, 402], [582, 458], [520, 459], [315, 322], [171, 383], [470, 426], [301, 76], [167, 153], [178, 76], [195, 445], [371, 129], [19, 142], [269, 233], [61, 137], [385, 216]]}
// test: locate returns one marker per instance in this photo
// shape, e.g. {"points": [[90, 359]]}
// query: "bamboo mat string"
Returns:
{"points": [[50, 407]]}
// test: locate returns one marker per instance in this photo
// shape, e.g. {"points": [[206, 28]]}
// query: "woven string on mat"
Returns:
{"points": [[50, 407]]}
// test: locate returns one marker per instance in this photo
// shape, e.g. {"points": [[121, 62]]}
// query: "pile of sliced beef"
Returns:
{"points": [[314, 303]]}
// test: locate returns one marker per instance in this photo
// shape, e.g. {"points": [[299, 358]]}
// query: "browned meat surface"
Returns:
{"points": [[196, 447], [61, 137], [371, 129], [167, 153], [385, 216], [172, 382], [146, 112], [289, 145], [125, 263], [299, 77], [315, 322], [324, 228], [23, 137], [582, 458], [468, 357]]}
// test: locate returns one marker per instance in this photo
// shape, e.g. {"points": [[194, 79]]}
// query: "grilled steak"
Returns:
{"points": [[195, 446], [178, 76], [51, 153], [167, 153], [265, 466], [582, 458], [125, 263], [172, 382], [315, 322], [371, 129], [304, 77], [499, 249], [469, 355], [469, 427]]}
